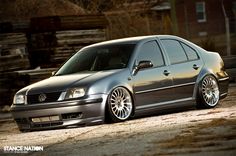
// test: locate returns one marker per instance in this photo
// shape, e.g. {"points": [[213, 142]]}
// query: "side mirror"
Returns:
{"points": [[142, 65], [145, 64]]}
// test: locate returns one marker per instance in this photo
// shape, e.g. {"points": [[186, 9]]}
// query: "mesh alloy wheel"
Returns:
{"points": [[120, 104], [209, 92]]}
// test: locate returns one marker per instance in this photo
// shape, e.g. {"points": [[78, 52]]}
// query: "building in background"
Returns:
{"points": [[209, 23], [204, 17], [204, 20]]}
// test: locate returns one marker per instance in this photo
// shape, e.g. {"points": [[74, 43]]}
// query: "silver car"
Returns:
{"points": [[119, 79]]}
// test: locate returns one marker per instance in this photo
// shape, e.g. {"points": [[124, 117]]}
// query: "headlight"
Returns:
{"points": [[75, 93], [72, 94], [19, 99]]}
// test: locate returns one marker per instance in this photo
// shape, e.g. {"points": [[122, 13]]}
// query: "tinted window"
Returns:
{"points": [[98, 58], [191, 53], [150, 51], [175, 51]]}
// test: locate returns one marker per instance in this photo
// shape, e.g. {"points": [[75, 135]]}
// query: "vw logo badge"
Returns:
{"points": [[42, 97]]}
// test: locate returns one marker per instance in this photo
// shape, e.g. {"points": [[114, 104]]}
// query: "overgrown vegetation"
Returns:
{"points": [[20, 10]]}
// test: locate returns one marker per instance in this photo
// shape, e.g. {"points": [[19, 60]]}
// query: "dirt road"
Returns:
{"points": [[192, 132]]}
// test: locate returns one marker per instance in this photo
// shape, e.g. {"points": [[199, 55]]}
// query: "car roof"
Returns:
{"points": [[131, 40]]}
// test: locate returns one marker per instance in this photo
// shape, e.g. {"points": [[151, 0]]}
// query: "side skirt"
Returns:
{"points": [[162, 107]]}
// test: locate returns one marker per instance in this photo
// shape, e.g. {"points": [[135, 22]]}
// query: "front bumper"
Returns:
{"points": [[87, 111]]}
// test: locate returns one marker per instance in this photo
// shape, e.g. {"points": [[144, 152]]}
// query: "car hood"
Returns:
{"points": [[61, 83]]}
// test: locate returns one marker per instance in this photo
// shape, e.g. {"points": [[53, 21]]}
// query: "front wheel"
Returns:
{"points": [[209, 94], [120, 105]]}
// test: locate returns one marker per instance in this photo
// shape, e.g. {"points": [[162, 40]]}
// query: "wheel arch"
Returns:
{"points": [[203, 73], [128, 87]]}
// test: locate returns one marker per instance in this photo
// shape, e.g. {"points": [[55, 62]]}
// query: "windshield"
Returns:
{"points": [[98, 58]]}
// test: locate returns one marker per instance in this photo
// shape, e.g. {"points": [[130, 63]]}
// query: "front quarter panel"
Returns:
{"points": [[106, 85]]}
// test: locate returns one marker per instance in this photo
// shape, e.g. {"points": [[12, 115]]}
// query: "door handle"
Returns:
{"points": [[195, 66], [166, 72]]}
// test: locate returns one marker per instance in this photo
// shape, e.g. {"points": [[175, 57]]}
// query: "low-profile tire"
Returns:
{"points": [[119, 104], [24, 130], [208, 92]]}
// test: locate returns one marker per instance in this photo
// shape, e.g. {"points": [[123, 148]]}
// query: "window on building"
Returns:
{"points": [[201, 11], [234, 8]]}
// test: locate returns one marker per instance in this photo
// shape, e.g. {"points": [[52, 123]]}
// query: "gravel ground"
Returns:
{"points": [[191, 132]]}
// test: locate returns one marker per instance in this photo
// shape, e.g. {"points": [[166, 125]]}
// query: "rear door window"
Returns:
{"points": [[175, 51], [191, 53]]}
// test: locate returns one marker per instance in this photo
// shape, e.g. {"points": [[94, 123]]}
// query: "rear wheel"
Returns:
{"points": [[209, 94], [120, 105]]}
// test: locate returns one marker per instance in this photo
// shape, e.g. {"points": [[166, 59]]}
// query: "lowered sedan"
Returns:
{"points": [[120, 79]]}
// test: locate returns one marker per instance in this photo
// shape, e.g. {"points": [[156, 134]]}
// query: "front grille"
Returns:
{"points": [[71, 116], [50, 97], [50, 124], [21, 121]]}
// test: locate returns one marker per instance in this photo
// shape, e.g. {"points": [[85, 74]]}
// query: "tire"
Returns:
{"points": [[24, 130], [208, 92], [120, 105]]}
